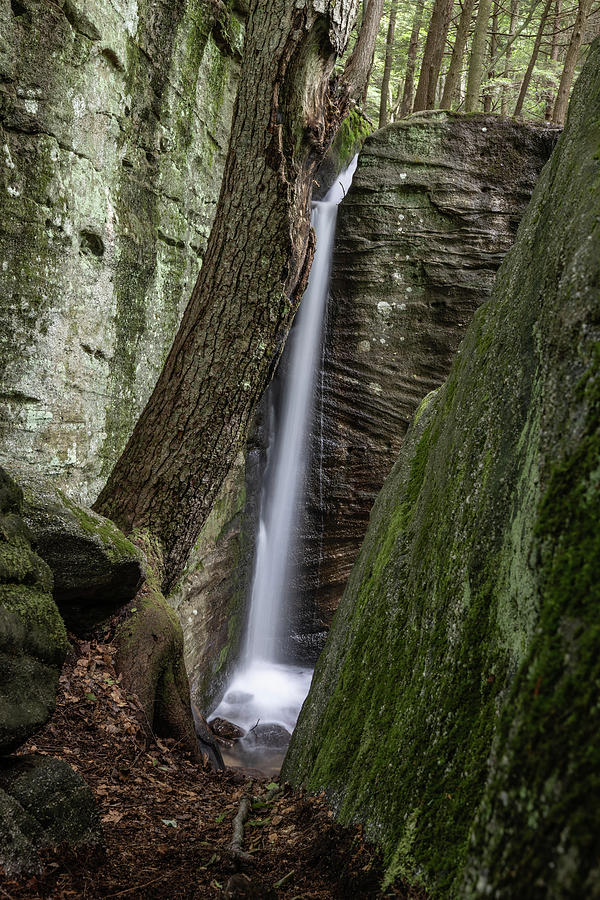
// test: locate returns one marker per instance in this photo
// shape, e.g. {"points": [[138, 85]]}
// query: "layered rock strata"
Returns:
{"points": [[454, 710], [114, 121], [434, 207]]}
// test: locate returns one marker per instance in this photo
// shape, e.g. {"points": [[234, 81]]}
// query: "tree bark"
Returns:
{"points": [[487, 100], [358, 67], [387, 68], [411, 62], [564, 89], [476, 62], [553, 57], [253, 274], [532, 61], [514, 12], [433, 54], [458, 52]]}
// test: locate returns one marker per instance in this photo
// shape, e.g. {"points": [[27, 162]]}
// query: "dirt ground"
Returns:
{"points": [[168, 823]]}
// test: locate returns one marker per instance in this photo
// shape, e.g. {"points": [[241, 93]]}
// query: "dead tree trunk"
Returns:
{"points": [[253, 275]]}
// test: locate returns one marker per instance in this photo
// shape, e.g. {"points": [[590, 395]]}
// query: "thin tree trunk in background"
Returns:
{"points": [[387, 68], [532, 61], [358, 67], [411, 62], [476, 63], [433, 54], [514, 13], [553, 57], [564, 90], [253, 274], [487, 100], [458, 52]]}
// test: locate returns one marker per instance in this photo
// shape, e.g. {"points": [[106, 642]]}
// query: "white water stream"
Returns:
{"points": [[265, 689]]}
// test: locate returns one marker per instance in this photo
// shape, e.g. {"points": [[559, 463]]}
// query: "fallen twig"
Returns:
{"points": [[235, 847]]}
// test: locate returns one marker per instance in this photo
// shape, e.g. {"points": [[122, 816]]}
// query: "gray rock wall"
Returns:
{"points": [[454, 710], [434, 207], [114, 120]]}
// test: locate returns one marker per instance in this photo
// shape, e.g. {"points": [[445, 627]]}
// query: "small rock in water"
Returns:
{"points": [[226, 730], [269, 734], [235, 697]]}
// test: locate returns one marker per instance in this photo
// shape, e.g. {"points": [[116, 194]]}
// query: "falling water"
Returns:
{"points": [[265, 688]]}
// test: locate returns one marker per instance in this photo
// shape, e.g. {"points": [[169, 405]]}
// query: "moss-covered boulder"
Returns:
{"points": [[43, 802], [150, 660], [33, 640], [96, 569], [455, 709]]}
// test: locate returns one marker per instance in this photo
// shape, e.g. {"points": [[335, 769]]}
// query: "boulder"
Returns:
{"points": [[96, 570], [33, 639], [43, 802], [434, 207], [455, 708]]}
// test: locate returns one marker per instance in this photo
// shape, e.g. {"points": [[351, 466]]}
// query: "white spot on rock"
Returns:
{"points": [[375, 388], [384, 309], [363, 346]]}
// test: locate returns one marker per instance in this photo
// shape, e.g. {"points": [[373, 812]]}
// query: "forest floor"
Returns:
{"points": [[168, 822]]}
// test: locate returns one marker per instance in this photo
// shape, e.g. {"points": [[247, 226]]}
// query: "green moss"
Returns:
{"points": [[455, 706], [117, 546], [30, 618]]}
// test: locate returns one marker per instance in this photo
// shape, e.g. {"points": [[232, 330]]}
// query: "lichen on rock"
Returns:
{"points": [[454, 710]]}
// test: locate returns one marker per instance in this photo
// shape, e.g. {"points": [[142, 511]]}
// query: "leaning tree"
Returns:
{"points": [[253, 275]]}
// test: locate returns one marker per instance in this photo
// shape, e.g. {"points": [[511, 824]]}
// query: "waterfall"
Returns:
{"points": [[264, 687]]}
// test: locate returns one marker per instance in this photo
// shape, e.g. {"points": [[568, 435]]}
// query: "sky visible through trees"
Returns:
{"points": [[512, 57]]}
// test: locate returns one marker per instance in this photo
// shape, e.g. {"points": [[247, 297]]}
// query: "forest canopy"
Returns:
{"points": [[513, 57]]}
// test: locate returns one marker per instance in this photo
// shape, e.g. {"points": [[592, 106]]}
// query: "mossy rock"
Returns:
{"points": [[33, 640], [455, 708], [43, 802], [150, 659], [351, 135], [96, 570]]}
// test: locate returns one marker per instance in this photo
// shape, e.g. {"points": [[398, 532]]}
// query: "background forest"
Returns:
{"points": [[514, 57]]}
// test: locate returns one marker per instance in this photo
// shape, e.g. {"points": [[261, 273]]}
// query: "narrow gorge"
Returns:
{"points": [[262, 466]]}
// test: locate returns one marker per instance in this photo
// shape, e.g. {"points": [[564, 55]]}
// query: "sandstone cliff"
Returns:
{"points": [[455, 710], [114, 121]]}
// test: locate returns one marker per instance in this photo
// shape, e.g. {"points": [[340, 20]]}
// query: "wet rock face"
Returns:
{"points": [[452, 710], [433, 209], [114, 120]]}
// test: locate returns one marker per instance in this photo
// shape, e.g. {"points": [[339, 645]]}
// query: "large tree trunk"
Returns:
{"points": [[433, 54], [384, 104], [458, 52], [411, 62], [358, 67], [532, 60], [564, 89], [476, 63], [253, 275]]}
